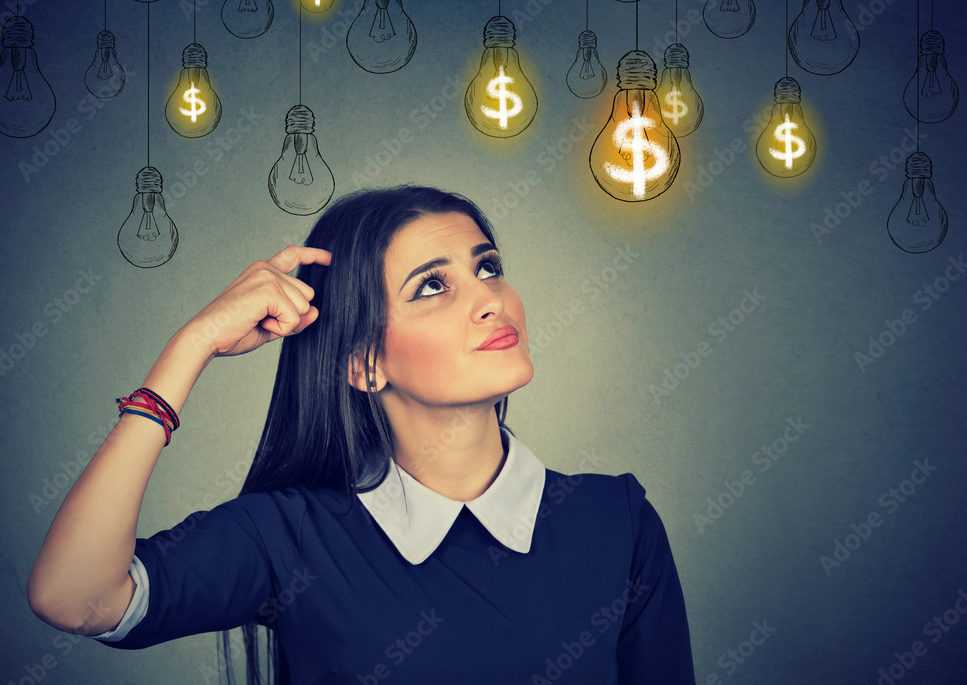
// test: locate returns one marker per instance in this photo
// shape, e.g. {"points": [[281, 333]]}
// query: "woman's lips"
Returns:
{"points": [[500, 339]]}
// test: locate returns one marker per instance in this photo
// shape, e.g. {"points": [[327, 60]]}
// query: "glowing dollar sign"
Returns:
{"points": [[189, 97], [673, 99], [638, 146], [783, 134], [497, 89]]}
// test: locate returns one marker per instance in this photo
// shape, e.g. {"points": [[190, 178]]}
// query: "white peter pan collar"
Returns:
{"points": [[508, 508]]}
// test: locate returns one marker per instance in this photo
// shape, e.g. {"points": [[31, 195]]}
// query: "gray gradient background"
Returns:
{"points": [[699, 248]]}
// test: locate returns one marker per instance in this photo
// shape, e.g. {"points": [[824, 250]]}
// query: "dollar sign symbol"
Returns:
{"points": [[635, 147], [673, 99], [497, 89], [783, 134], [189, 97]]}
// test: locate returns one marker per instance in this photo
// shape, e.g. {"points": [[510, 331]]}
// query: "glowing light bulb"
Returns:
{"points": [[26, 100], [316, 5], [681, 106], [587, 77], [635, 157], [917, 222], [500, 101], [148, 236], [247, 18], [729, 18], [822, 39], [381, 38], [193, 109], [105, 77], [938, 91], [786, 147], [300, 181]]}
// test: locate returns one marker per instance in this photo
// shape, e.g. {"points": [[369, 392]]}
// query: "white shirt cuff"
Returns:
{"points": [[136, 609]]}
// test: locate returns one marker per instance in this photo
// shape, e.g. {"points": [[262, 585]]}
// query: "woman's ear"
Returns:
{"points": [[357, 375]]}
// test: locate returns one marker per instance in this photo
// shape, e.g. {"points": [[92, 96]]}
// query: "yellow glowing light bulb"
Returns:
{"points": [[681, 106], [316, 5], [635, 156], [786, 146], [193, 109], [500, 101]]}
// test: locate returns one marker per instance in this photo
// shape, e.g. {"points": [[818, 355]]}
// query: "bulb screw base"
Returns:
{"points": [[499, 32], [636, 69], [300, 119], [919, 166], [194, 56], [587, 39], [787, 90], [18, 33], [676, 56], [931, 43], [105, 39], [148, 180]]}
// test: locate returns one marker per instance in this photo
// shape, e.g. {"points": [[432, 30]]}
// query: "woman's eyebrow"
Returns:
{"points": [[440, 261]]}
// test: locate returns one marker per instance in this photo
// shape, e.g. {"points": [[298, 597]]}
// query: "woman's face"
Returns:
{"points": [[439, 315]]}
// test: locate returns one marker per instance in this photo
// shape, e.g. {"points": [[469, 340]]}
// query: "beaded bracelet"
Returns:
{"points": [[153, 407]]}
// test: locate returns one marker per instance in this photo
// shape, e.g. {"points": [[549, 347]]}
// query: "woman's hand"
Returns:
{"points": [[262, 304]]}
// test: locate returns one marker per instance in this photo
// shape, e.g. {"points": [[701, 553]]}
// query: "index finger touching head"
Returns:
{"points": [[292, 256]]}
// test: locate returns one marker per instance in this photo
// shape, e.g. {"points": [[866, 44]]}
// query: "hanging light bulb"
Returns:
{"points": [[247, 18], [26, 100], [786, 147], [105, 77], [681, 105], [635, 156], [917, 222], [822, 39], [729, 18], [938, 91], [300, 181], [381, 38], [500, 101], [316, 5], [148, 236], [193, 109], [587, 77]]}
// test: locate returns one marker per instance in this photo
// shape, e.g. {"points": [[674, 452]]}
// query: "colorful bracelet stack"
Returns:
{"points": [[153, 407]]}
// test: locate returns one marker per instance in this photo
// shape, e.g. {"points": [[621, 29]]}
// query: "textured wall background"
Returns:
{"points": [[726, 269]]}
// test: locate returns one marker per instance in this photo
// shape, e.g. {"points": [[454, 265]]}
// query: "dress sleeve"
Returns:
{"points": [[654, 645], [216, 570]]}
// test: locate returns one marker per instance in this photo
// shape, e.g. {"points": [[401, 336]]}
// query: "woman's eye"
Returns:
{"points": [[440, 279]]}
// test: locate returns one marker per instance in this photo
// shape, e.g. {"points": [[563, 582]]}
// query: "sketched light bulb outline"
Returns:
{"points": [[27, 101], [381, 38], [193, 108], [148, 237], [917, 222], [682, 106], [729, 18], [500, 101], [300, 181], [247, 18], [105, 77], [635, 157], [939, 94], [786, 146], [587, 77], [823, 39]]}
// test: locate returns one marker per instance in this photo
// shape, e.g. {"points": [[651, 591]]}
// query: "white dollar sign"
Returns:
{"points": [[783, 134], [189, 97], [638, 145], [673, 99], [497, 89]]}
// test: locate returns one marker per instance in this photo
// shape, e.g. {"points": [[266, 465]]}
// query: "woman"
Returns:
{"points": [[391, 524]]}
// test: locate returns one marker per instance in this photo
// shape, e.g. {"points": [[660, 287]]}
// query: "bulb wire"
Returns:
{"points": [[917, 45], [785, 37], [105, 15], [300, 53], [194, 22], [147, 129], [586, 24], [636, 24], [676, 21]]}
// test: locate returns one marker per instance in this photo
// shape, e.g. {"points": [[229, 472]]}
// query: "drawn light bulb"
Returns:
{"points": [[148, 236], [26, 100], [729, 18], [500, 101], [681, 105], [786, 146], [938, 92], [587, 77], [822, 39], [316, 5], [193, 109], [247, 18], [105, 77], [635, 156], [300, 181], [917, 222], [381, 38]]}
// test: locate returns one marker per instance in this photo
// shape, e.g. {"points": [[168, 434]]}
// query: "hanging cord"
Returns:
{"points": [[105, 15], [676, 21], [300, 53], [785, 37], [636, 24], [147, 131], [498, 8], [586, 24], [194, 22], [917, 45]]}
